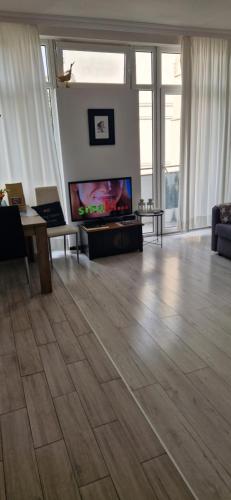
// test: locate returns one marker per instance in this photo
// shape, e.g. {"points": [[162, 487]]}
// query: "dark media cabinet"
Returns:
{"points": [[111, 238]]}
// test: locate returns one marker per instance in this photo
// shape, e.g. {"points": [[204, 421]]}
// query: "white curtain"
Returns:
{"points": [[206, 118], [27, 148]]}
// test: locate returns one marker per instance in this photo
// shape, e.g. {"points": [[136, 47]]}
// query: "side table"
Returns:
{"points": [[155, 215]]}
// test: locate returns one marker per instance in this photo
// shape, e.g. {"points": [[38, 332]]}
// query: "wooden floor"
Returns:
{"points": [[164, 318], [70, 427]]}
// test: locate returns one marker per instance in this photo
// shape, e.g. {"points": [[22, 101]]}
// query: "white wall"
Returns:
{"points": [[82, 161]]}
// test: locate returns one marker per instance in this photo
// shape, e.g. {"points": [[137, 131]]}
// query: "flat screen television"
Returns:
{"points": [[100, 198]]}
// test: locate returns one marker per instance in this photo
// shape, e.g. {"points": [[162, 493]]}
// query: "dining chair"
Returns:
{"points": [[13, 244], [47, 195]]}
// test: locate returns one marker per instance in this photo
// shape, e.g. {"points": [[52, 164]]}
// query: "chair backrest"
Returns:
{"points": [[47, 194], [12, 241]]}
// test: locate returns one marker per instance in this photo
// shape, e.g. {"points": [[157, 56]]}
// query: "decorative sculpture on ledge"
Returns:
{"points": [[66, 77]]}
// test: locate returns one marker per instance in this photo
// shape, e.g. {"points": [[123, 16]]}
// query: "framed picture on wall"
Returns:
{"points": [[101, 127]]}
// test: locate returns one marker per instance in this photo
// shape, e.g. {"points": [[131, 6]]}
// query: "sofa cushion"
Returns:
{"points": [[52, 213], [225, 213], [223, 231]]}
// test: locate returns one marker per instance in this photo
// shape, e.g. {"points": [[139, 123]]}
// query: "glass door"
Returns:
{"points": [[170, 156], [157, 76], [170, 116]]}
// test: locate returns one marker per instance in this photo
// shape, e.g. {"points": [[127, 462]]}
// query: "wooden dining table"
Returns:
{"points": [[34, 225]]}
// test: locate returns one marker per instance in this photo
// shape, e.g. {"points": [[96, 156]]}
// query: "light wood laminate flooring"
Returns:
{"points": [[71, 428], [164, 319]]}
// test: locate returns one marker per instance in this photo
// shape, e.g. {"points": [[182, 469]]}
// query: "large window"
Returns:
{"points": [[156, 74]]}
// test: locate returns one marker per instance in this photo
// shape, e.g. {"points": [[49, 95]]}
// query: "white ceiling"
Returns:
{"points": [[196, 13]]}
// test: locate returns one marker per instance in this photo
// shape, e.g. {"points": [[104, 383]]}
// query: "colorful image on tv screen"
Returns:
{"points": [[100, 198]]}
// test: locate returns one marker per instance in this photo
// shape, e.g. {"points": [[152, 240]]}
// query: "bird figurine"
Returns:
{"points": [[66, 77]]}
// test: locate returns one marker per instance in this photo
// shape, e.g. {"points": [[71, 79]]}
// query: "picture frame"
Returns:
{"points": [[101, 125]]}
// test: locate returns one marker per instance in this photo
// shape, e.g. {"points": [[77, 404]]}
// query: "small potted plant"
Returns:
{"points": [[2, 195]]}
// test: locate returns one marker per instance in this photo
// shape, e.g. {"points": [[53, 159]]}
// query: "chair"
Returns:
{"points": [[50, 194], [12, 237]]}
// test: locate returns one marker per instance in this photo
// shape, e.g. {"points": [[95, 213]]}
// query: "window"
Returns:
{"points": [[171, 157], [143, 79], [172, 111], [45, 61], [48, 64], [170, 69], [47, 74], [146, 143], [101, 66], [143, 68]]}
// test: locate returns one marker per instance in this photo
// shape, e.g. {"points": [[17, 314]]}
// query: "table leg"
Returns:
{"points": [[43, 259], [139, 219], [161, 228], [157, 228], [30, 248]]}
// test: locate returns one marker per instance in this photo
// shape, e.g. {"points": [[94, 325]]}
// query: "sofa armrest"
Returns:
{"points": [[215, 221]]}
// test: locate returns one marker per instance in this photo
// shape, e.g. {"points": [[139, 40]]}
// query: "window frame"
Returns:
{"points": [[96, 47]]}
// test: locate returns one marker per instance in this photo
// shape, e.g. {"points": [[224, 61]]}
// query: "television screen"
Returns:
{"points": [[100, 198]]}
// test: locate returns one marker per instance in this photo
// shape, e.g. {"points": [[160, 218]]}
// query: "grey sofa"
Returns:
{"points": [[221, 232]]}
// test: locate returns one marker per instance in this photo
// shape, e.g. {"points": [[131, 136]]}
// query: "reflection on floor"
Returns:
{"points": [[70, 428], [164, 319]]}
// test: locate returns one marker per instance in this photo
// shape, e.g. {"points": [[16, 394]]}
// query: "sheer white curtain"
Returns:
{"points": [[206, 117], [27, 148]]}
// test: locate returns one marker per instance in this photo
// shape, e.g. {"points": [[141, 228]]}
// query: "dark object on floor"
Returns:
{"points": [[221, 231]]}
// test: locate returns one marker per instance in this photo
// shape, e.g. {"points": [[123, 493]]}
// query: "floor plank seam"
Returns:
{"points": [[133, 395], [142, 462]]}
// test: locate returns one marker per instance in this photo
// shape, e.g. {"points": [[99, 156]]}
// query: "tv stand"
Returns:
{"points": [[112, 238]]}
